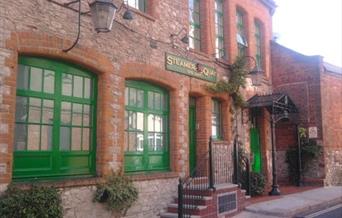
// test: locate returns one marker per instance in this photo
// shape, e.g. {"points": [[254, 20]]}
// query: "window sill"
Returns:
{"points": [[142, 14], [152, 176]]}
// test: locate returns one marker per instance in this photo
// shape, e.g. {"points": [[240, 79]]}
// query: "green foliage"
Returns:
{"points": [[257, 183], [237, 80], [257, 180], [118, 193], [302, 132], [310, 151], [36, 202]]}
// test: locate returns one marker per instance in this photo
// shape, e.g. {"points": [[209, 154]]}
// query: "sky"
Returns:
{"points": [[311, 27]]}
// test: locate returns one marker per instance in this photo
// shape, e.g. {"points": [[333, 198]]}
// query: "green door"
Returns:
{"points": [[192, 133], [55, 120], [256, 150]]}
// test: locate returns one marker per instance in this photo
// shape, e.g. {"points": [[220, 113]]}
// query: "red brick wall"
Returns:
{"points": [[298, 76], [331, 93]]}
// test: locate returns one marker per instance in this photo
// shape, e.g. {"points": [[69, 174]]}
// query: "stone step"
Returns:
{"points": [[196, 199], [188, 209], [175, 215]]}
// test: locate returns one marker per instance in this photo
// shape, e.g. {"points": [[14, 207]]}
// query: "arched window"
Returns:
{"points": [[146, 127], [55, 120]]}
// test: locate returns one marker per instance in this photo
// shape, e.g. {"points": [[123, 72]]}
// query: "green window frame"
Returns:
{"points": [[138, 4], [258, 44], [195, 25], [55, 120], [219, 30], [241, 38], [216, 119], [146, 127]]}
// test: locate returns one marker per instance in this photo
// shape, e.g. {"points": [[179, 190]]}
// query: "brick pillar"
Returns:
{"points": [[207, 27]]}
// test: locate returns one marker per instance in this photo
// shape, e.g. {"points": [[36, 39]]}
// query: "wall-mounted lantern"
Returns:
{"points": [[102, 14]]}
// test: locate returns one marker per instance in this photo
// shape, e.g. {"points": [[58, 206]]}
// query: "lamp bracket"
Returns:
{"points": [[79, 26]]}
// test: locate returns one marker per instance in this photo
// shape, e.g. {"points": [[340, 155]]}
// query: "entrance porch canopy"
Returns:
{"points": [[276, 104]]}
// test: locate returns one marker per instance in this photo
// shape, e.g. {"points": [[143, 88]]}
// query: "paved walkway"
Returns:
{"points": [[290, 205]]}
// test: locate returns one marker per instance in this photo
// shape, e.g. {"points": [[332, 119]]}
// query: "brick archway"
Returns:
{"points": [[169, 81], [47, 46]]}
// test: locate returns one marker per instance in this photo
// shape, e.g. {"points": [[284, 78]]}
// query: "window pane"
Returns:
{"points": [[140, 121], [140, 98], [76, 139], [87, 87], [86, 139], [64, 138], [33, 137], [23, 77], [36, 79], [157, 101], [151, 142], [132, 120], [66, 84], [86, 115], [46, 138], [49, 81], [76, 114], [47, 111], [20, 137], [150, 100], [150, 122], [159, 141], [132, 96], [158, 124], [21, 109], [78, 86], [34, 110], [140, 142], [214, 131], [66, 113]]}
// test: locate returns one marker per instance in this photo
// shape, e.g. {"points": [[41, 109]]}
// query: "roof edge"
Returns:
{"points": [[270, 4]]}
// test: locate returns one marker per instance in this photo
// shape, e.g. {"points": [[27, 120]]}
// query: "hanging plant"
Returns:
{"points": [[237, 80], [118, 193]]}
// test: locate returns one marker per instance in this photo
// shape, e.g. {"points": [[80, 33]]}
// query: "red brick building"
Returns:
{"points": [[135, 99], [316, 89]]}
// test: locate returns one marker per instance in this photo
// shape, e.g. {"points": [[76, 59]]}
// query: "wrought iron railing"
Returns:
{"points": [[190, 189], [242, 169], [211, 169]]}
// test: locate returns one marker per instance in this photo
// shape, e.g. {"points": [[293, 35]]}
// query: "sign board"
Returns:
{"points": [[313, 134], [190, 68]]}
